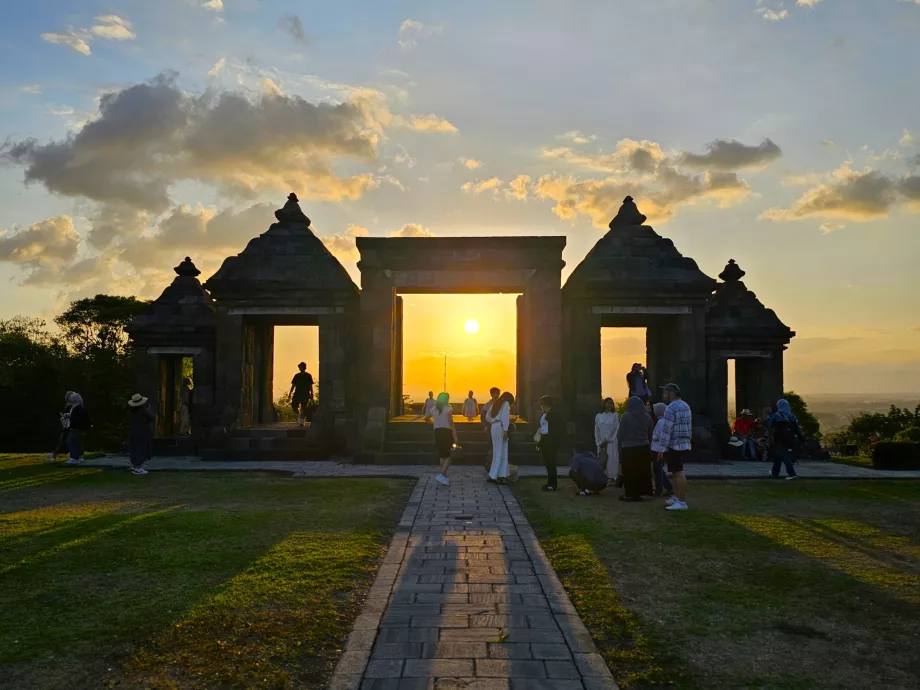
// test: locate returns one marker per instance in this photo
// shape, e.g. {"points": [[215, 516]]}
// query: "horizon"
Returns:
{"points": [[132, 140]]}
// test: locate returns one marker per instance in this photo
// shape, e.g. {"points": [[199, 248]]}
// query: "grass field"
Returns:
{"points": [[182, 579], [762, 584]]}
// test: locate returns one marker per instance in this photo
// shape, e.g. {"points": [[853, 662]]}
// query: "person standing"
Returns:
{"points": [[606, 424], [663, 485], [185, 417], [495, 394], [470, 408], [786, 433], [637, 381], [61, 446], [445, 434], [80, 423], [633, 439], [676, 436], [140, 441], [430, 404], [548, 439], [499, 417], [301, 393]]}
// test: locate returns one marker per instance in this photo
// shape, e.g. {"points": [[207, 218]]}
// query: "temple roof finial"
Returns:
{"points": [[187, 268], [291, 213], [732, 272]]}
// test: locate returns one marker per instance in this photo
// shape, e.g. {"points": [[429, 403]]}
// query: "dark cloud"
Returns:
{"points": [[293, 27], [723, 154]]}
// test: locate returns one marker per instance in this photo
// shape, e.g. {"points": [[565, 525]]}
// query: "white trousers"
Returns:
{"points": [[613, 459], [499, 467]]}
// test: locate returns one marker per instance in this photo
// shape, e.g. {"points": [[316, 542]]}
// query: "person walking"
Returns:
{"points": [[470, 408], [61, 446], [185, 410], [140, 441], [80, 423], [499, 417], [633, 439], [445, 434], [676, 436], [547, 438], [606, 424], [637, 381], [786, 433], [301, 393], [663, 485]]}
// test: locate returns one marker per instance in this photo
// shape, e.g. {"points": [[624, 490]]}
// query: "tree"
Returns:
{"points": [[807, 421], [96, 325]]}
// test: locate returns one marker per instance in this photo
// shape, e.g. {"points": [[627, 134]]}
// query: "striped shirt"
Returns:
{"points": [[677, 430]]}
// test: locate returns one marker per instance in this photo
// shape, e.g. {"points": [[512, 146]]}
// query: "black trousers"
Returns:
{"points": [[549, 451]]}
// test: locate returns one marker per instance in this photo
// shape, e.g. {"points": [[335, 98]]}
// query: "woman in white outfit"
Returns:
{"points": [[499, 417], [470, 408], [606, 424]]}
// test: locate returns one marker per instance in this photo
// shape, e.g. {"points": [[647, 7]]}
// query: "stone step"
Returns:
{"points": [[398, 435], [229, 455], [431, 458], [292, 431]]}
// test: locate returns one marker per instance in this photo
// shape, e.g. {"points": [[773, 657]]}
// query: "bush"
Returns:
{"points": [[911, 435], [896, 456]]}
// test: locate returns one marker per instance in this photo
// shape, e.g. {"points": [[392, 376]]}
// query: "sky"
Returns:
{"points": [[783, 134]]}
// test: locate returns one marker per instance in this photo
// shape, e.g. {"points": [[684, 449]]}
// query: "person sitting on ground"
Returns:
{"points": [[140, 441], [586, 472], [301, 393], [470, 407], [80, 423], [742, 429], [61, 446], [663, 486]]}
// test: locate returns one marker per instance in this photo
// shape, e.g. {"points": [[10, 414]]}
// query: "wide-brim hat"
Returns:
{"points": [[137, 400], [735, 441], [671, 387], [746, 413]]}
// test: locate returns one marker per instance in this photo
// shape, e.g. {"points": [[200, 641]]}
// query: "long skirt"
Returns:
{"points": [[499, 468], [636, 468], [613, 459]]}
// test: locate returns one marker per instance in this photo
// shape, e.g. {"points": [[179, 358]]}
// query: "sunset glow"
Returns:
{"points": [[471, 326]]}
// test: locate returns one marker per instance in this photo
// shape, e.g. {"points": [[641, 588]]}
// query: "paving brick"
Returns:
{"points": [[510, 650], [384, 668], [397, 650], [455, 650], [510, 668], [436, 668]]}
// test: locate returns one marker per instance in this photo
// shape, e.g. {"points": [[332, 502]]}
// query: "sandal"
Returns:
{"points": [[585, 492]]}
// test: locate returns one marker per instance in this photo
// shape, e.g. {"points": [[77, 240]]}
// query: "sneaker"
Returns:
{"points": [[671, 500], [138, 470], [549, 488], [791, 477], [73, 461], [678, 505], [440, 478], [446, 481], [50, 457]]}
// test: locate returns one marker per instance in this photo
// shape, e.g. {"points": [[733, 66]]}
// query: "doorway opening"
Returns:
{"points": [[457, 343], [620, 349], [292, 345], [731, 392]]}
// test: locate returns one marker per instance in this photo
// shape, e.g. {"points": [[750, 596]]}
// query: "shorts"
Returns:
{"points": [[444, 441], [675, 460]]}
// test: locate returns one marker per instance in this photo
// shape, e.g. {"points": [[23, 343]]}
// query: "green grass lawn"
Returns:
{"points": [[182, 579], [762, 584]]}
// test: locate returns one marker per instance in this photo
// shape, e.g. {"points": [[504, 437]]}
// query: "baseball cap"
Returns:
{"points": [[671, 387]]}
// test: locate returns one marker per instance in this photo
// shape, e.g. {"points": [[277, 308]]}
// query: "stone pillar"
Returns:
{"points": [[660, 346], [584, 358], [768, 386], [397, 402], [378, 308], [749, 385], [522, 364], [333, 364], [717, 395], [543, 339], [203, 396], [263, 346], [690, 369], [228, 380]]}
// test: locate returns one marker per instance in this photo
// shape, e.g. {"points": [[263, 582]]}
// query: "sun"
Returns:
{"points": [[471, 326]]}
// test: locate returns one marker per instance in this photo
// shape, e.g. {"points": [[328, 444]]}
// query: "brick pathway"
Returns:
{"points": [[466, 598]]}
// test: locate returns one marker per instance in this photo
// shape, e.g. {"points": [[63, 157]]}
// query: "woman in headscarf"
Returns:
{"points": [[606, 424], [786, 433], [140, 441], [499, 418], [470, 407], [633, 439], [79, 425], [61, 446], [445, 433]]}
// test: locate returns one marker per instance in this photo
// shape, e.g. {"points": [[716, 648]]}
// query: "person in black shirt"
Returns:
{"points": [[79, 424], [548, 441], [301, 392]]}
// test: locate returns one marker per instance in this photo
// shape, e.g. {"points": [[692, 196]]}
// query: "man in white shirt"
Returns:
{"points": [[675, 436], [429, 404]]}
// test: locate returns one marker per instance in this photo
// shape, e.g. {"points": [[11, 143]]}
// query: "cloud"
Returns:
{"points": [[807, 3], [342, 245], [629, 156], [293, 27], [849, 195], [412, 29], [470, 163], [723, 154], [907, 139], [217, 68], [493, 184], [828, 143], [71, 38], [517, 188], [577, 137], [431, 123], [772, 15], [113, 27], [32, 88], [412, 230], [214, 5], [831, 226], [150, 136], [42, 249]]}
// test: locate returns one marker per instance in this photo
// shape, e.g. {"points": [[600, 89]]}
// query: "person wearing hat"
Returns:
{"points": [[675, 436], [140, 441], [742, 429]]}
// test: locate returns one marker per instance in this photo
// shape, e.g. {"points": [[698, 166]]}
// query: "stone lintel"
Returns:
{"points": [[641, 310], [284, 311], [176, 350], [461, 281], [745, 354]]}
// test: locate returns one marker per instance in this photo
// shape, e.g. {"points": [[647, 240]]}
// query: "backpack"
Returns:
{"points": [[786, 434]]}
